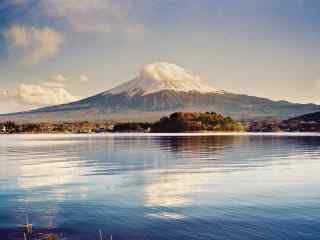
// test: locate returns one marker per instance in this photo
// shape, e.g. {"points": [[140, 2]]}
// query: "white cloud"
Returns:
{"points": [[56, 81], [53, 84], [51, 92], [42, 96], [84, 78], [91, 15], [162, 76], [34, 44], [58, 78], [165, 72]]}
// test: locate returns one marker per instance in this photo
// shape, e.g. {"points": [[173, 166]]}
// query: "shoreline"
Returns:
{"points": [[142, 134]]}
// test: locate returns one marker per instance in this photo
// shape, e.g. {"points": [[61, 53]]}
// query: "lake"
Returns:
{"points": [[157, 187]]}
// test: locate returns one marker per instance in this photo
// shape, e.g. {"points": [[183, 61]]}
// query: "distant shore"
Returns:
{"points": [[184, 134], [180, 122]]}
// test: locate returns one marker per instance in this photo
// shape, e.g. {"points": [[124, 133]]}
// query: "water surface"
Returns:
{"points": [[161, 187]]}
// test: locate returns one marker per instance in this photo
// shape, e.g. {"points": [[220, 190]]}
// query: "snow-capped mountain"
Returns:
{"points": [[158, 90], [162, 76]]}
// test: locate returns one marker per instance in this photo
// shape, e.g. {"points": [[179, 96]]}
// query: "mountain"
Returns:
{"points": [[311, 117], [158, 90]]}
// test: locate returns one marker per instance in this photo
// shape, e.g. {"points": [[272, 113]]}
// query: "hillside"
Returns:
{"points": [[312, 117], [195, 122], [161, 89]]}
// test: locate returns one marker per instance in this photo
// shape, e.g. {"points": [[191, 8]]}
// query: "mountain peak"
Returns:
{"points": [[140, 100], [161, 76]]}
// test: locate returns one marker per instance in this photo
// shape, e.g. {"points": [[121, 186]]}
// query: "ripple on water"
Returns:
{"points": [[161, 187]]}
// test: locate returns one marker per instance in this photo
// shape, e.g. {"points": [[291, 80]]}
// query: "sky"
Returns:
{"points": [[58, 51]]}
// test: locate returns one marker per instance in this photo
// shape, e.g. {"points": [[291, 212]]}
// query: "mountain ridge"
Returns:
{"points": [[310, 117], [154, 106], [161, 89]]}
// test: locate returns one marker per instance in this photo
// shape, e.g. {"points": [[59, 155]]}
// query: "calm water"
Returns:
{"points": [[161, 187]]}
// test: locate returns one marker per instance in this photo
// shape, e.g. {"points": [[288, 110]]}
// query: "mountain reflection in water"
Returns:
{"points": [[161, 187]]}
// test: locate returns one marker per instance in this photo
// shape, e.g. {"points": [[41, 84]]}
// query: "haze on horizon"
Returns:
{"points": [[57, 51]]}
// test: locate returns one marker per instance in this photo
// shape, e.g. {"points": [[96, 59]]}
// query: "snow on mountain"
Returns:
{"points": [[145, 99], [163, 76]]}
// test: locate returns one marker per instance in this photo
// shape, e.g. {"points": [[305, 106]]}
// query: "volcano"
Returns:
{"points": [[158, 90]]}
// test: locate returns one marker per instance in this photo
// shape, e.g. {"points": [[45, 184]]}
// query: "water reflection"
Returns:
{"points": [[136, 185]]}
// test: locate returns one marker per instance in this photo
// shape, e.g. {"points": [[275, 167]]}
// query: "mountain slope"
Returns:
{"points": [[311, 117], [160, 89]]}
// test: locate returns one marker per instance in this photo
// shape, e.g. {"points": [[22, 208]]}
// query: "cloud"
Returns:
{"points": [[34, 44], [58, 78], [84, 78], [164, 72], [42, 96], [47, 93], [55, 81], [162, 76], [91, 15], [53, 84]]}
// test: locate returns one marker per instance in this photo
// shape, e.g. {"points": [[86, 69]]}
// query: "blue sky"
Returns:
{"points": [[54, 51]]}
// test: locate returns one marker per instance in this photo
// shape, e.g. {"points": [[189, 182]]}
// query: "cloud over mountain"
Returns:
{"points": [[167, 72], [161, 76], [159, 88]]}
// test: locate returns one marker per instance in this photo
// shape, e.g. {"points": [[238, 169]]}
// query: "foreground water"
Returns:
{"points": [[161, 187]]}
